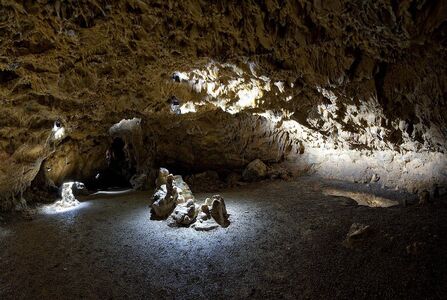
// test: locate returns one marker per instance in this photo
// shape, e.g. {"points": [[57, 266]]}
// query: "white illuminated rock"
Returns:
{"points": [[183, 191], [205, 225], [174, 198], [125, 125], [68, 197], [59, 133], [185, 214]]}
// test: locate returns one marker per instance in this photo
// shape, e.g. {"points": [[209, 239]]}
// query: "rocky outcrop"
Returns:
{"points": [[69, 190]]}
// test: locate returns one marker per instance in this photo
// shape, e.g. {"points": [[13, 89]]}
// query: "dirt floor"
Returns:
{"points": [[285, 241]]}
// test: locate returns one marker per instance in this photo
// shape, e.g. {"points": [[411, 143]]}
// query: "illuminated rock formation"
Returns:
{"points": [[174, 198], [168, 195], [185, 213], [164, 199], [219, 211], [213, 213]]}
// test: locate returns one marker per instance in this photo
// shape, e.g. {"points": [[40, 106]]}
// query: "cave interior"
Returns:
{"points": [[276, 149]]}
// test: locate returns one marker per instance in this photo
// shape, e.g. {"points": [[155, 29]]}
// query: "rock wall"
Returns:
{"points": [[360, 79]]}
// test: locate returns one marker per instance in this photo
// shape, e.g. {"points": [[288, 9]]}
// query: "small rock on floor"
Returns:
{"points": [[205, 225]]}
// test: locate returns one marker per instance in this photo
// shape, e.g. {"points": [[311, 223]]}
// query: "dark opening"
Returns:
{"points": [[120, 166], [6, 76]]}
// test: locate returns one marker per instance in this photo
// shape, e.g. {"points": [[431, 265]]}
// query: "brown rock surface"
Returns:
{"points": [[344, 89]]}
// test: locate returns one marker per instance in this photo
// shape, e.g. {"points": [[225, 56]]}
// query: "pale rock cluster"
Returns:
{"points": [[228, 86], [68, 199], [174, 199]]}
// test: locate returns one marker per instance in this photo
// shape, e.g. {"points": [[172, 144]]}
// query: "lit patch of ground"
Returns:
{"points": [[285, 241]]}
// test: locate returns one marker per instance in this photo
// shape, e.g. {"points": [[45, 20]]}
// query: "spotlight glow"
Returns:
{"points": [[55, 209]]}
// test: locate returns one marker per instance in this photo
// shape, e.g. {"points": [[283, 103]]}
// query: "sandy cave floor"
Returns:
{"points": [[285, 241]]}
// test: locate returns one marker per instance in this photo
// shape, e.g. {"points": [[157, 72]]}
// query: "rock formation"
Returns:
{"points": [[164, 199], [185, 213], [213, 213], [174, 198], [219, 211], [68, 198], [172, 191], [162, 177], [352, 90]]}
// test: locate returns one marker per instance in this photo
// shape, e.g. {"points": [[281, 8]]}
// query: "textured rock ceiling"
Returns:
{"points": [[347, 89]]}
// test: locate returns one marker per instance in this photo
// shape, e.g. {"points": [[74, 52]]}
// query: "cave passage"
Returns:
{"points": [[120, 166]]}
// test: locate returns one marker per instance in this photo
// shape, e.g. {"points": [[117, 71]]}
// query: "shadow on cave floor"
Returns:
{"points": [[284, 241]]}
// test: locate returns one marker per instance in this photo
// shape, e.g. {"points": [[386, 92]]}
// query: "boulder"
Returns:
{"points": [[174, 198], [256, 170], [183, 190], [211, 218]]}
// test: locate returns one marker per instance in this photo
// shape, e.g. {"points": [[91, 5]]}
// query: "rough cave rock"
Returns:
{"points": [[352, 90]]}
